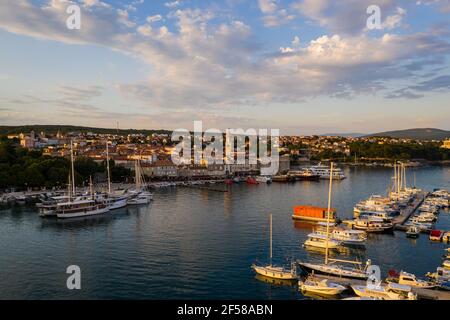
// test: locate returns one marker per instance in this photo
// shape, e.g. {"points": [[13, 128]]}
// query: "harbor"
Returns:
{"points": [[213, 237]]}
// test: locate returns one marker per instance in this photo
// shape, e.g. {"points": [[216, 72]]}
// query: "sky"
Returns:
{"points": [[301, 66]]}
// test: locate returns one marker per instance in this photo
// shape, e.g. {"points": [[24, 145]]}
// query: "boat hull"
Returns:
{"points": [[82, 214], [274, 273], [330, 270]]}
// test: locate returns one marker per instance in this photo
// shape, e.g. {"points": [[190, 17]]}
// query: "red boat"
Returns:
{"points": [[251, 180], [228, 181], [436, 235]]}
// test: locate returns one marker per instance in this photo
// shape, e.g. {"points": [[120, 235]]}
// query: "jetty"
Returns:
{"points": [[406, 213], [427, 294]]}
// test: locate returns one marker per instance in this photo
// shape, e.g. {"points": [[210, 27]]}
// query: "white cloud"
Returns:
{"points": [[173, 4], [267, 6]]}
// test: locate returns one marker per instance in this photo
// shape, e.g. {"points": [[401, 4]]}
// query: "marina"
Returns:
{"points": [[225, 230]]}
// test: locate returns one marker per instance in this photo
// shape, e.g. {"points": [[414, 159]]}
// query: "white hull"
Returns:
{"points": [[322, 288], [83, 213], [322, 245], [118, 204], [275, 272], [335, 270]]}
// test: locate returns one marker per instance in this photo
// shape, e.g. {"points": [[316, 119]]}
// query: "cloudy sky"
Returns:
{"points": [[304, 66]]}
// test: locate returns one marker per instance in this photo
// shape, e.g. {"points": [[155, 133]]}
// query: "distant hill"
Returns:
{"points": [[66, 128], [418, 133], [352, 134]]}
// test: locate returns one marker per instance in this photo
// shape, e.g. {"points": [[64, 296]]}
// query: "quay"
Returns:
{"points": [[428, 294], [406, 213]]}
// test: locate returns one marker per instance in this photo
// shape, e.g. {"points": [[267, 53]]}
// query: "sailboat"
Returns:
{"points": [[272, 271], [330, 267], [79, 207], [140, 195], [112, 200]]}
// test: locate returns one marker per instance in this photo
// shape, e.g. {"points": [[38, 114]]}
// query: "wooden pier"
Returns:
{"points": [[428, 294]]}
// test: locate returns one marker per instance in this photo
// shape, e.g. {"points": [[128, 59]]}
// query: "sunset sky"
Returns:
{"points": [[303, 66]]}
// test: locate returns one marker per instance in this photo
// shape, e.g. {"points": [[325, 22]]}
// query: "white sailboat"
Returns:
{"points": [[332, 268], [271, 271], [112, 201], [140, 195]]}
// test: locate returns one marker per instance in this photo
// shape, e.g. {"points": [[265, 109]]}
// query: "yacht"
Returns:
{"points": [[263, 179], [349, 237], [319, 240], [80, 208], [324, 172], [413, 232], [372, 224], [409, 279], [322, 287], [392, 291]]}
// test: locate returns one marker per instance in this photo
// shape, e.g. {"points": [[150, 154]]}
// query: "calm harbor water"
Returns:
{"points": [[196, 244]]}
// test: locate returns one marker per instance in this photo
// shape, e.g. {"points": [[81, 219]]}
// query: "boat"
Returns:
{"points": [[409, 279], [436, 235], [446, 237], [251, 180], [80, 208], [140, 195], [272, 271], [324, 172], [330, 266], [392, 291], [413, 232], [315, 214], [304, 174], [446, 264], [263, 179], [372, 224], [441, 275], [321, 287], [321, 241], [349, 237]]}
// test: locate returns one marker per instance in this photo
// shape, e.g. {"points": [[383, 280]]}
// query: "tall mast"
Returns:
{"points": [[404, 176], [91, 188], [270, 245], [329, 211], [69, 188], [73, 168], [107, 168]]}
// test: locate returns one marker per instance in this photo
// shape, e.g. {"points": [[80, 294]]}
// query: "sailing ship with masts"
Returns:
{"points": [[140, 195], [272, 271], [335, 267], [79, 207]]}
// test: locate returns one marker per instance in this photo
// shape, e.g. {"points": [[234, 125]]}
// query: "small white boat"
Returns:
{"points": [[446, 264], [321, 241], [409, 279], [392, 291], [413, 232], [322, 287]]}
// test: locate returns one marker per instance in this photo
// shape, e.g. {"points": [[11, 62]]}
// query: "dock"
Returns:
{"points": [[427, 294], [406, 213]]}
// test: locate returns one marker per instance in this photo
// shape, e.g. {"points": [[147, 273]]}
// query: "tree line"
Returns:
{"points": [[22, 168]]}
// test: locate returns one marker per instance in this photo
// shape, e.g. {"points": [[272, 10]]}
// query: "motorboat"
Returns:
{"points": [[392, 291], [321, 287], [321, 241], [413, 232], [441, 275], [372, 224], [446, 264], [409, 279], [324, 172]]}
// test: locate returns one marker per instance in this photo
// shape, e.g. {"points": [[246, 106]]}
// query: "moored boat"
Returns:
{"points": [[322, 287]]}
